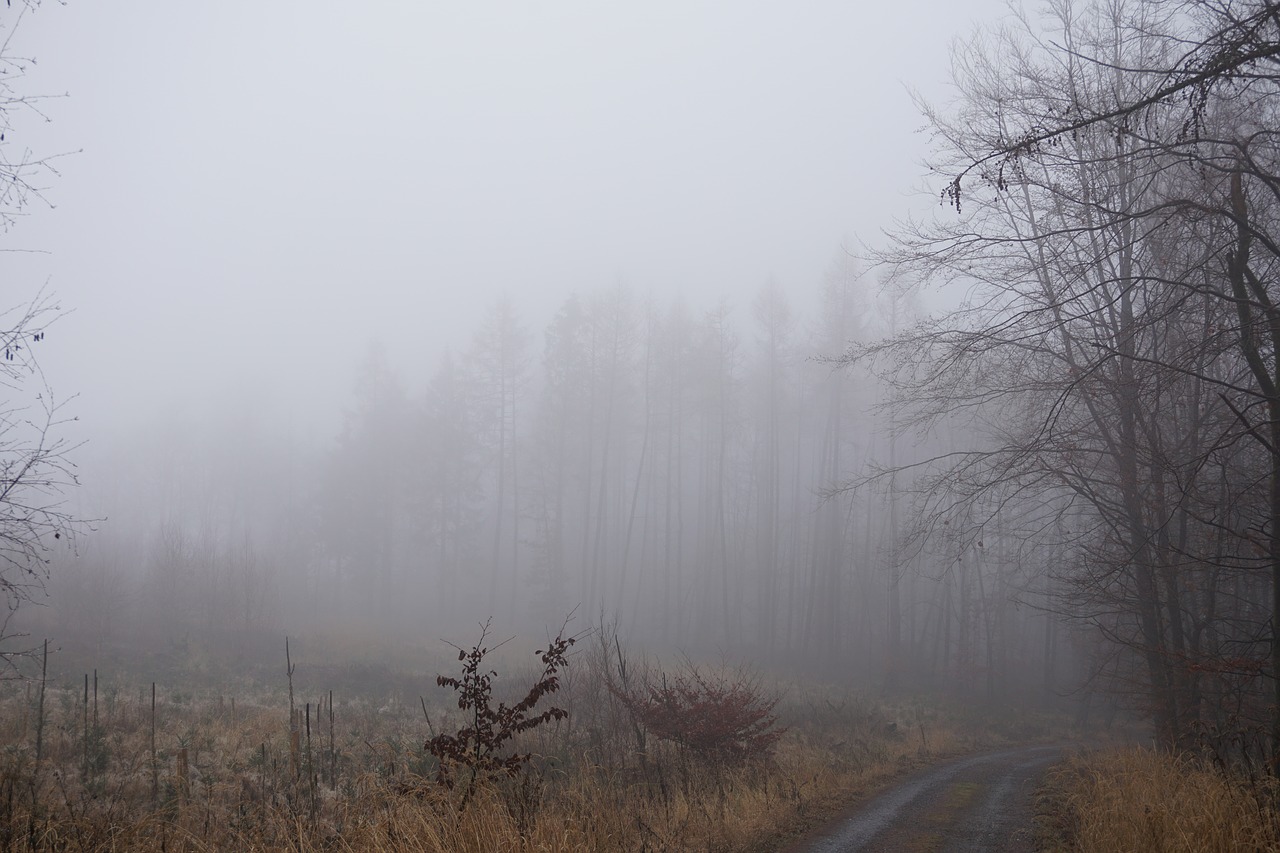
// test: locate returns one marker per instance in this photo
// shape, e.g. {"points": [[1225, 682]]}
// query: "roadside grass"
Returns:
{"points": [[352, 774], [1143, 800]]}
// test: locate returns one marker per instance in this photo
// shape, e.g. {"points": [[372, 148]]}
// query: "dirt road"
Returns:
{"points": [[979, 803]]}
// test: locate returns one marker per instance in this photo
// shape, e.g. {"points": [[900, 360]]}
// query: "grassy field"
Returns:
{"points": [[1143, 801], [221, 766]]}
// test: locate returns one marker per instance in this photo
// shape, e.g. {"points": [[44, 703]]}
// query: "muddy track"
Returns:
{"points": [[979, 803]]}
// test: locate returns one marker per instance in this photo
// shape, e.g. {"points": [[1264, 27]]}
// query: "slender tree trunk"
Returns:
{"points": [[515, 498], [1273, 544], [500, 503], [635, 490], [893, 657]]}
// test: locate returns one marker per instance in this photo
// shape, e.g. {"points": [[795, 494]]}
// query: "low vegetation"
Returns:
{"points": [[1142, 801], [480, 751], [718, 719], [99, 763]]}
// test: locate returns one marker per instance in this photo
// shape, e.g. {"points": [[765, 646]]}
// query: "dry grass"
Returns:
{"points": [[1142, 800], [589, 789]]}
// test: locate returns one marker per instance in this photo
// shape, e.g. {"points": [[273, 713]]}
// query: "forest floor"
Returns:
{"points": [[213, 763]]}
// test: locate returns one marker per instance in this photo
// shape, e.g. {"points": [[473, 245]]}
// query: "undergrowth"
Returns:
{"points": [[203, 771], [1143, 801]]}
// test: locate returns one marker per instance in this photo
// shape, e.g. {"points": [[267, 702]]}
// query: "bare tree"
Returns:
{"points": [[22, 172], [1093, 363], [1221, 47], [34, 465], [35, 470]]}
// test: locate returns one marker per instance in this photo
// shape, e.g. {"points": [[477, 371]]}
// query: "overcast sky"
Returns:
{"points": [[264, 187]]}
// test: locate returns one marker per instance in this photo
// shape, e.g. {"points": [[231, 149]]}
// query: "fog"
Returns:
{"points": [[395, 320], [823, 392], [261, 190]]}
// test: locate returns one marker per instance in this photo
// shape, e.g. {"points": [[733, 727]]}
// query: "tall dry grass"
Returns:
{"points": [[1143, 801], [242, 793], [591, 787]]}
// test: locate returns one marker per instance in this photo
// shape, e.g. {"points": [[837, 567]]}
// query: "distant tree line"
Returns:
{"points": [[676, 468]]}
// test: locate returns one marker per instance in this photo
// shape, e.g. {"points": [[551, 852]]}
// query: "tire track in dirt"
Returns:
{"points": [[979, 803]]}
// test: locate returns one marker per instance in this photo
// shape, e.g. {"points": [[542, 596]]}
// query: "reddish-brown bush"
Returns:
{"points": [[722, 720]]}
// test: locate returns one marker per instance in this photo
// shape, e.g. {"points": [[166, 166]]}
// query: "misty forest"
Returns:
{"points": [[1000, 473]]}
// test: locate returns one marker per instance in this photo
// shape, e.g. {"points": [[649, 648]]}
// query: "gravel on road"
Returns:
{"points": [[978, 803]]}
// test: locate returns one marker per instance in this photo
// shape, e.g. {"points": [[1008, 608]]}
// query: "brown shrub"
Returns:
{"points": [[720, 719]]}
